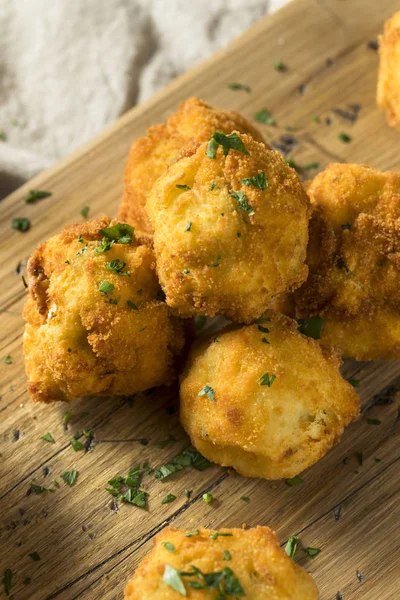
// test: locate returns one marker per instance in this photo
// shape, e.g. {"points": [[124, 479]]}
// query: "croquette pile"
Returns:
{"points": [[213, 222]]}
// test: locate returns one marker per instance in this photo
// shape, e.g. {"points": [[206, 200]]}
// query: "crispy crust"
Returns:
{"points": [[76, 343], [262, 567], [388, 91], [354, 261], [149, 157], [261, 254], [270, 432]]}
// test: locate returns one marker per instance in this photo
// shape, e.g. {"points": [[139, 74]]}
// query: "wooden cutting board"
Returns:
{"points": [[349, 504]]}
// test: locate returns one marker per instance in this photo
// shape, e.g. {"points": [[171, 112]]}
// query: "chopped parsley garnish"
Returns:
{"points": [[227, 142], [279, 66], [264, 339], [67, 417], [264, 116], [311, 552], [344, 137], [239, 86], [21, 224], [182, 186], [7, 581], [168, 498], [104, 246], [7, 359], [218, 534], [188, 493], [310, 166], [117, 266], [224, 581], [188, 458], [215, 263], [294, 481], [188, 227], [245, 499], [164, 443], [346, 226], [291, 163], [263, 329], [267, 379], [208, 391], [39, 489], [212, 186], [131, 305], [242, 201], [186, 271], [311, 327], [291, 546], [35, 556], [173, 579], [121, 233], [354, 382], [259, 181], [47, 437], [374, 421], [80, 239], [263, 320], [85, 211], [76, 444], [127, 489], [227, 555], [35, 195], [106, 287], [192, 533], [170, 547], [69, 477], [207, 498]]}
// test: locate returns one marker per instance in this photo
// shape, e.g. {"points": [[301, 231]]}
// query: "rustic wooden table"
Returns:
{"points": [[349, 504]]}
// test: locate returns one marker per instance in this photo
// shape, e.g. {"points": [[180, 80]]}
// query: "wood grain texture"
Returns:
{"points": [[349, 510]]}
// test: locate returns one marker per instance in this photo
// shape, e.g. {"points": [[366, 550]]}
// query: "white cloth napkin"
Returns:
{"points": [[70, 67]]}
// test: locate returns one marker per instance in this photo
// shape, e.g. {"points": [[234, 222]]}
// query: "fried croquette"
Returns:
{"points": [[94, 322], [354, 261], [388, 91], [265, 399], [231, 563], [230, 229], [194, 122]]}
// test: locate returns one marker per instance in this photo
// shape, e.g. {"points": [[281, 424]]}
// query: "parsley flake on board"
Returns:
{"points": [[227, 142], [106, 287], [76, 444], [127, 489], [267, 379], [7, 581], [164, 443], [344, 137], [291, 546], [39, 489], [188, 458], [354, 382], [172, 578], [311, 327], [279, 66], [264, 116], [259, 181], [207, 498], [121, 233], [294, 481], [239, 86], [47, 437], [170, 547], [311, 552], [182, 186], [7, 359], [85, 211], [168, 498], [69, 477], [245, 499], [117, 266], [35, 556], [35, 195], [208, 391], [374, 421], [21, 224], [242, 201]]}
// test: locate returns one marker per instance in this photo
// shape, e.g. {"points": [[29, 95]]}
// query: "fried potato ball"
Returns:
{"points": [[94, 322], [194, 122], [354, 261], [230, 229], [388, 91], [246, 563], [265, 399]]}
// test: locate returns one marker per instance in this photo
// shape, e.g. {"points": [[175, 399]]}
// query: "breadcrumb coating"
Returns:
{"points": [[388, 91], [150, 156], [94, 322], [227, 243], [256, 562], [354, 261], [277, 401]]}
